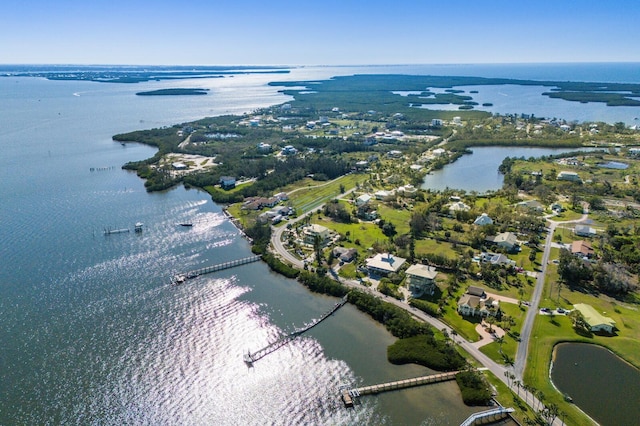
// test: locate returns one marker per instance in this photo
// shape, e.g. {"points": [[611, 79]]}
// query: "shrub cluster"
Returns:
{"points": [[425, 350]]}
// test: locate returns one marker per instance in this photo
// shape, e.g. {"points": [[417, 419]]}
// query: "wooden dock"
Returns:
{"points": [[250, 357], [349, 395], [181, 278]]}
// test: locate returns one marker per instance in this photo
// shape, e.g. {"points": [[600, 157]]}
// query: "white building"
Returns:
{"points": [[363, 199], [584, 231], [310, 232], [458, 206], [383, 264], [421, 279], [570, 176], [483, 219], [507, 240]]}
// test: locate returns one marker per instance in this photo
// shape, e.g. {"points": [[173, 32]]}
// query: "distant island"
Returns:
{"points": [[174, 92], [136, 74]]}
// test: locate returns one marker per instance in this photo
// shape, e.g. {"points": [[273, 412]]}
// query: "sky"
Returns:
{"points": [[308, 32]]}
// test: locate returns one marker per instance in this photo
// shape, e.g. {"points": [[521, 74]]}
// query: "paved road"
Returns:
{"points": [[500, 371], [525, 333], [276, 232]]}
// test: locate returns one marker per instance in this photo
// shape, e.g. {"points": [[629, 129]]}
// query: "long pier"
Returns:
{"points": [[486, 417], [181, 278], [349, 395], [250, 357]]}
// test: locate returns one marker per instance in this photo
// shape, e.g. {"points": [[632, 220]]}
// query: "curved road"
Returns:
{"points": [[500, 371]]}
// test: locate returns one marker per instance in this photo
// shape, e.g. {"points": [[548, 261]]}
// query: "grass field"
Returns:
{"points": [[429, 245], [548, 331], [314, 194]]}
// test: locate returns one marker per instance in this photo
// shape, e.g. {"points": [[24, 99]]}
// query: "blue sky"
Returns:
{"points": [[329, 32]]}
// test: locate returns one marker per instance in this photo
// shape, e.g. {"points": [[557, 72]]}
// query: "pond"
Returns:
{"points": [[479, 171], [614, 165], [600, 383]]}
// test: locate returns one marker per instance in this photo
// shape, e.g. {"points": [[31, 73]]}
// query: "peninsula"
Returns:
{"points": [[328, 187], [174, 92]]}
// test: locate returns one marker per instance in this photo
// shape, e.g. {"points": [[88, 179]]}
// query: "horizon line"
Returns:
{"points": [[61, 64]]}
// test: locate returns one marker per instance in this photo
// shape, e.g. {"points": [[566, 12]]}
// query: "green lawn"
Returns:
{"points": [[548, 331], [429, 245], [509, 345], [568, 215], [399, 217], [464, 326], [308, 197], [366, 233]]}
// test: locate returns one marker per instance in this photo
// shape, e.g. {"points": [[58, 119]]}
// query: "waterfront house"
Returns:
{"points": [[382, 264], [595, 320], [227, 182], [421, 279], [310, 232]]}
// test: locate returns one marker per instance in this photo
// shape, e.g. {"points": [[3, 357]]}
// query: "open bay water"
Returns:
{"points": [[91, 330]]}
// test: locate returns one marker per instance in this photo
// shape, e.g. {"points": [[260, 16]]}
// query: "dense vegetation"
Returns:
{"points": [[322, 284], [425, 350], [398, 321], [474, 388]]}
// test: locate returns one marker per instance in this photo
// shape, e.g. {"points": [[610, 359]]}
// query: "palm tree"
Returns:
{"points": [[508, 376], [500, 341], [317, 246], [518, 384], [491, 320], [540, 397], [508, 361]]}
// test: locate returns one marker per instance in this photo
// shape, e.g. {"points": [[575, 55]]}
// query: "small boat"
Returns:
{"points": [[178, 279], [186, 224], [138, 226]]}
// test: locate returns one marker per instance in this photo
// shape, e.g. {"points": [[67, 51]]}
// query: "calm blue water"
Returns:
{"points": [[91, 330], [479, 171]]}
